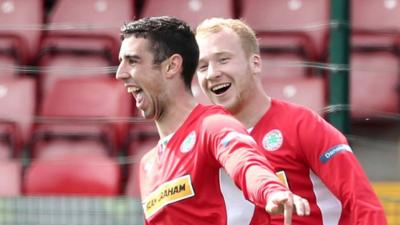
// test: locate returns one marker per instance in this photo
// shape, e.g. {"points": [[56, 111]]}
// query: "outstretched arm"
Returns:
{"points": [[238, 153]]}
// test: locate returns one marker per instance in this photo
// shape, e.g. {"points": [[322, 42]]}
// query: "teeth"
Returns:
{"points": [[219, 87], [133, 89]]}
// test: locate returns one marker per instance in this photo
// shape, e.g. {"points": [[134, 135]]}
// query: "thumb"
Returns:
{"points": [[277, 200]]}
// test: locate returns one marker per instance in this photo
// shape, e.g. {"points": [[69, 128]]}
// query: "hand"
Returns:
{"points": [[284, 202], [301, 206], [281, 202]]}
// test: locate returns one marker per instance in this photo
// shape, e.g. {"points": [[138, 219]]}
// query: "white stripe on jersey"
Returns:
{"points": [[239, 210], [330, 206]]}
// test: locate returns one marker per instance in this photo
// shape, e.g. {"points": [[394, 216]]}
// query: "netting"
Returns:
{"points": [[70, 211]]}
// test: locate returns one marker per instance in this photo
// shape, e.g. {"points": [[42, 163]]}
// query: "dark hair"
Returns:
{"points": [[167, 36]]}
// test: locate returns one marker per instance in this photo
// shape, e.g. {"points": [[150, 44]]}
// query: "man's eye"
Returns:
{"points": [[224, 60], [132, 61], [203, 68]]}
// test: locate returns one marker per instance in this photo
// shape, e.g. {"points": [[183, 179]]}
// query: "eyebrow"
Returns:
{"points": [[127, 56], [218, 54]]}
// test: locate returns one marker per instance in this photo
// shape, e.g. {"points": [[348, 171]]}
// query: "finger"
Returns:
{"points": [[299, 205], [302, 206], [287, 213], [288, 209], [275, 203], [274, 209], [307, 207]]}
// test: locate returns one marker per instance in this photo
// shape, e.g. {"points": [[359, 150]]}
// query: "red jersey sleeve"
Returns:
{"points": [[332, 159], [236, 151]]}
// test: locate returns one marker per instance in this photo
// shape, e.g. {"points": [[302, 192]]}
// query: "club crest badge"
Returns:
{"points": [[273, 140], [189, 142]]}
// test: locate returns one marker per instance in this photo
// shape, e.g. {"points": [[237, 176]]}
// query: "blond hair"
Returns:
{"points": [[246, 35]]}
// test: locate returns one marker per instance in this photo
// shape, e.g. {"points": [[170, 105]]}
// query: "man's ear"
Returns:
{"points": [[255, 63], [173, 65]]}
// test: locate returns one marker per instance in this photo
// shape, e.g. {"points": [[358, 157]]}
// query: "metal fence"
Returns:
{"points": [[70, 211]]}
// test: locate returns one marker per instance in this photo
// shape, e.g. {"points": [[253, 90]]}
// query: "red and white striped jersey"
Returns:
{"points": [[180, 177]]}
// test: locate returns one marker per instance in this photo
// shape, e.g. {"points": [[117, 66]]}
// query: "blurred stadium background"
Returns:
{"points": [[70, 138]]}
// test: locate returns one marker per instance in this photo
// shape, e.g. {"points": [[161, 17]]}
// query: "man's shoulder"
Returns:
{"points": [[212, 109], [213, 114], [148, 155], [215, 118], [286, 108]]}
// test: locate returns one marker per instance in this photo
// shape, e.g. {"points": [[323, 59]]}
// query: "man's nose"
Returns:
{"points": [[213, 71], [122, 73]]}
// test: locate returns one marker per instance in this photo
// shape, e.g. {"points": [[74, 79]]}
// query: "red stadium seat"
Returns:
{"points": [[375, 15], [374, 81], [92, 24], [71, 145], [17, 104], [79, 168], [5, 148], [8, 66], [86, 107], [63, 65], [141, 132], [306, 91], [284, 65], [10, 168], [143, 138], [192, 12], [21, 28], [375, 24], [87, 97], [374, 84], [82, 40], [297, 26], [10, 177]]}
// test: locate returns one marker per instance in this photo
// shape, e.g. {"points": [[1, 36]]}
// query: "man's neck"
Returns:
{"points": [[253, 110], [175, 115]]}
